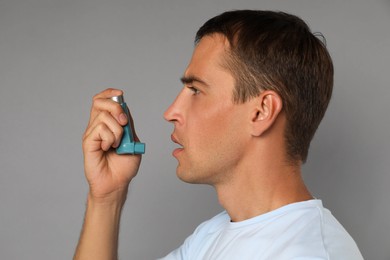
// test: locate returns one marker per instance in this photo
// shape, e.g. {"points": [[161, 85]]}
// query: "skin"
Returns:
{"points": [[236, 148], [108, 175], [239, 149], [207, 123]]}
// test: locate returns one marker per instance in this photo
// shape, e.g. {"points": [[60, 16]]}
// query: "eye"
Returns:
{"points": [[194, 90]]}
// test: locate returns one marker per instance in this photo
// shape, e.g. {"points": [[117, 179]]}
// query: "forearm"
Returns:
{"points": [[99, 236]]}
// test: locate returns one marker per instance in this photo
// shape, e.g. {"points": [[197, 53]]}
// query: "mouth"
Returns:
{"points": [[178, 150]]}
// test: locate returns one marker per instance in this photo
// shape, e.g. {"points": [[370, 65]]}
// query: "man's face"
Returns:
{"points": [[209, 126]]}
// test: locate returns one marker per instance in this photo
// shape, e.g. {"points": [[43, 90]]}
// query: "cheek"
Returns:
{"points": [[209, 123], [216, 134]]}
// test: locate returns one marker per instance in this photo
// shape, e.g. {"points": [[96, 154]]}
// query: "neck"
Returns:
{"points": [[254, 190]]}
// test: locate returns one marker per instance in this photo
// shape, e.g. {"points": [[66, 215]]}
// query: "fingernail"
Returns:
{"points": [[123, 118]]}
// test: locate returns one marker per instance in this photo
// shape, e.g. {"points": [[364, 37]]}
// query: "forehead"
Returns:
{"points": [[208, 57]]}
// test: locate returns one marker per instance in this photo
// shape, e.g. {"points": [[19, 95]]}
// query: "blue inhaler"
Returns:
{"points": [[127, 145]]}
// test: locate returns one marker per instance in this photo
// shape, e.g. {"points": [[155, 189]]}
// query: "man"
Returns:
{"points": [[255, 91]]}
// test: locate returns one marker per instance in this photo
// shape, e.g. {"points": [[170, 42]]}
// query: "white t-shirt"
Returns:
{"points": [[300, 231]]}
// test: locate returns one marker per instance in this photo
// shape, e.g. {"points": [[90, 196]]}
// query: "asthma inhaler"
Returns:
{"points": [[127, 145]]}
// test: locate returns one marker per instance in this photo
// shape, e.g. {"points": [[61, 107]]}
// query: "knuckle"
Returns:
{"points": [[108, 92], [103, 114], [101, 127], [84, 137], [114, 91], [84, 144], [96, 96], [86, 134], [95, 102]]}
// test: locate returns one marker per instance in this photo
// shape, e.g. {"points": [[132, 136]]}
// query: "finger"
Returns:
{"points": [[99, 139], [112, 124], [132, 127], [108, 93], [105, 94], [108, 105]]}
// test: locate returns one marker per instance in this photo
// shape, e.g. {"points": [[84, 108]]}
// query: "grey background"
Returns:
{"points": [[55, 55]]}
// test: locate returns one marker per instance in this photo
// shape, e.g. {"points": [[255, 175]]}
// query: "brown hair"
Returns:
{"points": [[277, 51]]}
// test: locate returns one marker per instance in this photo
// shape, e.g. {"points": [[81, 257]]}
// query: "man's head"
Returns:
{"points": [[208, 124], [255, 90], [276, 51]]}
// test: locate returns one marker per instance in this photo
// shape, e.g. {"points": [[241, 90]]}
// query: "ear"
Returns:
{"points": [[267, 107]]}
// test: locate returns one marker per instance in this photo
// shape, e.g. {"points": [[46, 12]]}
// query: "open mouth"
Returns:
{"points": [[178, 150]]}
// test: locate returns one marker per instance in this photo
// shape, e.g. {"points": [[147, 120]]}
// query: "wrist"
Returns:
{"points": [[115, 199]]}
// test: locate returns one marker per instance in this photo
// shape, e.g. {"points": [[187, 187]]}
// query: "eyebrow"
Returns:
{"points": [[191, 79]]}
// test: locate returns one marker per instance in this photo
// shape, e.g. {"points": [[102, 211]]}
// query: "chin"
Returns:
{"points": [[192, 177], [185, 177]]}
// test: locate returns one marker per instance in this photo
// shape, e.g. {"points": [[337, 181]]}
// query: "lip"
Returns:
{"points": [[177, 151], [174, 139]]}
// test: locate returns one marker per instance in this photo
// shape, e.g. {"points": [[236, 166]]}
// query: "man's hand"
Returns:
{"points": [[108, 173]]}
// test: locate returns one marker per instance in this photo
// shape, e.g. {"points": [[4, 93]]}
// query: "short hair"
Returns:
{"points": [[277, 51]]}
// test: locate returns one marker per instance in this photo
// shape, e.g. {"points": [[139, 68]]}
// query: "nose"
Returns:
{"points": [[174, 113]]}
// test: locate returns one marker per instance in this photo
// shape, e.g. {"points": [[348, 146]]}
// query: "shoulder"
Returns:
{"points": [[213, 225], [316, 232], [337, 241], [200, 238]]}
